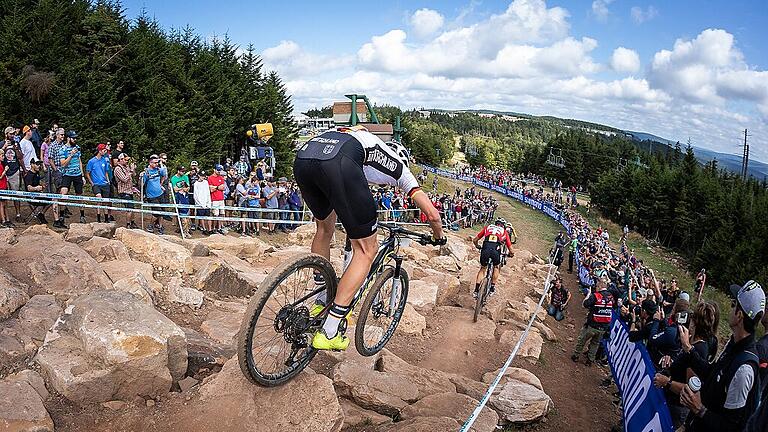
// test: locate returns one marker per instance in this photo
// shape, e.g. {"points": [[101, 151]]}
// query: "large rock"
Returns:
{"points": [[221, 278], [64, 270], [513, 373], [519, 402], [13, 294], [21, 336], [223, 322], [422, 295], [178, 293], [229, 401], [455, 247], [22, 409], [117, 270], [78, 232], [355, 416], [453, 405], [34, 379], [467, 386], [205, 353], [41, 230], [412, 322], [445, 263], [427, 381], [530, 348], [104, 229], [249, 275], [7, 237], [102, 249], [414, 254], [425, 424], [138, 286], [241, 247], [162, 254], [448, 287], [109, 345], [382, 392], [545, 331]]}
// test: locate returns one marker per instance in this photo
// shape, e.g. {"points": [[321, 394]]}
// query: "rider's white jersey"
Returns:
{"points": [[381, 164]]}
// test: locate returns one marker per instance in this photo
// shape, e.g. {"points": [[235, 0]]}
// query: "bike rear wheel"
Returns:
{"points": [[381, 311], [275, 338], [480, 301]]}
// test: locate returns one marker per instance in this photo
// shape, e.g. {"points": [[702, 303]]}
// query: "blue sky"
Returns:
{"points": [[677, 69]]}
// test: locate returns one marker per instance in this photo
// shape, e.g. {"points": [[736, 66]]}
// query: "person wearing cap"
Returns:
{"points": [[97, 175], [55, 175], [202, 192], [181, 196], [759, 420], [119, 149], [242, 167], [217, 185], [71, 168], [28, 153], [153, 178], [729, 390], [282, 203], [600, 304], [32, 182], [125, 170]]}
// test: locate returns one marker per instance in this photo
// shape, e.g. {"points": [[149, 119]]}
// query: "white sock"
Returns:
{"points": [[332, 321]]}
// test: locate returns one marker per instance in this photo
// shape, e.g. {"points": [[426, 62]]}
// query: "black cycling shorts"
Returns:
{"points": [[492, 253], [337, 182]]}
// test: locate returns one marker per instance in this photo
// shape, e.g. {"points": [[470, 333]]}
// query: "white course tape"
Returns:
{"points": [[471, 420]]}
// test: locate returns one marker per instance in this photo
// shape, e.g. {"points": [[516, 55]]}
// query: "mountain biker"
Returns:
{"points": [[494, 237], [511, 232], [333, 170]]}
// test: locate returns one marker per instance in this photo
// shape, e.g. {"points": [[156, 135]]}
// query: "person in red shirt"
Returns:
{"points": [[494, 238], [217, 185]]}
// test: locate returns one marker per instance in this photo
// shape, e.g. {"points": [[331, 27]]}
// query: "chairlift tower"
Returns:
{"points": [[556, 160]]}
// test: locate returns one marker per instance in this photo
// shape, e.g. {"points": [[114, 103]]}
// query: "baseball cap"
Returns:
{"points": [[71, 134], [9, 129], [685, 296], [101, 147], [282, 179], [25, 129], [750, 297], [219, 167], [37, 161], [193, 164]]}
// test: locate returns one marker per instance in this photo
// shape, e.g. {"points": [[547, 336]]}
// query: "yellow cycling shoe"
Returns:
{"points": [[337, 343], [315, 310]]}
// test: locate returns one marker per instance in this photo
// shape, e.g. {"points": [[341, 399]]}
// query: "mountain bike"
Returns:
{"points": [[482, 293], [275, 338]]}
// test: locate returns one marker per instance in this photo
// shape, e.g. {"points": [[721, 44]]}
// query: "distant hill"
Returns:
{"points": [[730, 162]]}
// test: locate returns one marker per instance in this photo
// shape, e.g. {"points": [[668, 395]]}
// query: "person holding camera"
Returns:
{"points": [[124, 173], [729, 393], [674, 374], [12, 160]]}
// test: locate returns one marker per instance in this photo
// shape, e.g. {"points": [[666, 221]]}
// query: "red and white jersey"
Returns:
{"points": [[494, 235]]}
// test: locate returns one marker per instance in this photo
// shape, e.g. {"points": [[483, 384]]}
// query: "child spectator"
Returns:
{"points": [[202, 195], [181, 194]]}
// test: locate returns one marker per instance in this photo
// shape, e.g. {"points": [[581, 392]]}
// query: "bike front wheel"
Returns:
{"points": [[275, 339], [381, 311]]}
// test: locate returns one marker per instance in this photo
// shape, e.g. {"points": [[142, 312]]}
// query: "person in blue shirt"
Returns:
{"points": [[153, 179], [97, 175], [269, 192], [181, 194], [71, 169], [253, 199], [386, 203]]}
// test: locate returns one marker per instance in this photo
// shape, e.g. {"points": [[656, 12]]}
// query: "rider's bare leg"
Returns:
{"points": [[364, 251], [321, 244], [495, 276]]}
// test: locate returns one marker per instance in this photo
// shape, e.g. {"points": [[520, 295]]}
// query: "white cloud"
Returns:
{"points": [[525, 59], [425, 22], [600, 9], [290, 60], [625, 60], [640, 16]]}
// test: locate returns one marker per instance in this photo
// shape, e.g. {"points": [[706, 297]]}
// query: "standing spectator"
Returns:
{"points": [[71, 168], [55, 176], [601, 305], [254, 202], [558, 300], [193, 175], [296, 204], [759, 419], [37, 140], [282, 203], [260, 169], [32, 182], [181, 175], [729, 392], [3, 186], [44, 151], [202, 193], [124, 173], [28, 153], [167, 190], [573, 247], [241, 200], [153, 178], [181, 195], [386, 204], [119, 149], [241, 167], [230, 193], [11, 157], [269, 192], [97, 174], [217, 186]]}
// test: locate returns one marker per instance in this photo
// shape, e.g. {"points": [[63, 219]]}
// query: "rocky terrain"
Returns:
{"points": [[105, 328]]}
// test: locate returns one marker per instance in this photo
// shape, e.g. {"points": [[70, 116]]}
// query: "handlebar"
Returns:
{"points": [[397, 230]]}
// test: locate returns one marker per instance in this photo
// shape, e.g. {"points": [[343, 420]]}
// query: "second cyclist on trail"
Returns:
{"points": [[495, 237], [333, 171]]}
